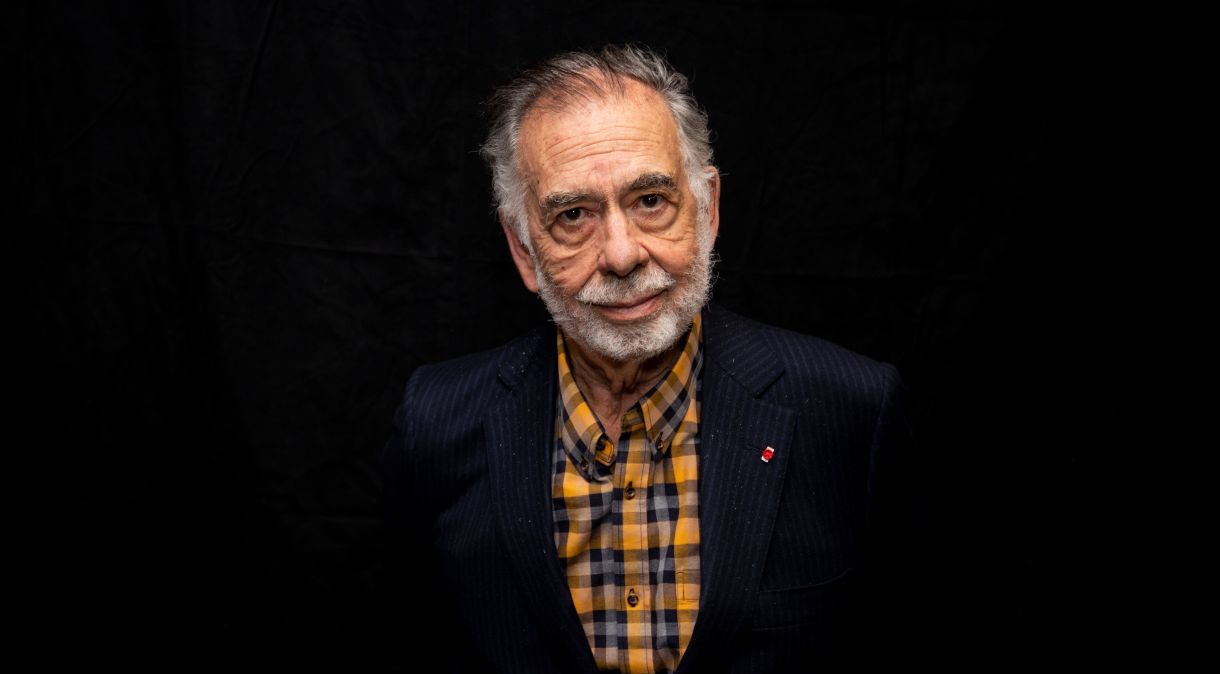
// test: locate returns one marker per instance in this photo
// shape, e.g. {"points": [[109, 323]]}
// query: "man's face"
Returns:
{"points": [[621, 248]]}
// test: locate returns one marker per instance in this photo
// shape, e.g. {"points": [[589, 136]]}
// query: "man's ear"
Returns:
{"points": [[713, 204], [521, 256]]}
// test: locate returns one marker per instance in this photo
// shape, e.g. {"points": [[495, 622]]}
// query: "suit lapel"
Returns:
{"points": [[738, 492], [520, 435]]}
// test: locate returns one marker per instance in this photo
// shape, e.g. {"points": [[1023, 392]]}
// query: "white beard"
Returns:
{"points": [[645, 338]]}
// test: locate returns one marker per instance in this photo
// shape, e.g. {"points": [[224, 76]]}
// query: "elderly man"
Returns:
{"points": [[654, 484]]}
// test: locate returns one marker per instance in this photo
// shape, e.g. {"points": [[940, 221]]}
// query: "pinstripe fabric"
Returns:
{"points": [[792, 551], [627, 517]]}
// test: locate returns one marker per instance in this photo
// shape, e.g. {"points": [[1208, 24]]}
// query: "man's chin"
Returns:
{"points": [[622, 341]]}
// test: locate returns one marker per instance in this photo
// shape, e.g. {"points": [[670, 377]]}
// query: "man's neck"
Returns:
{"points": [[611, 387]]}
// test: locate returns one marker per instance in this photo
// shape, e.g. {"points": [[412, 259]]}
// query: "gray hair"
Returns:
{"points": [[588, 75]]}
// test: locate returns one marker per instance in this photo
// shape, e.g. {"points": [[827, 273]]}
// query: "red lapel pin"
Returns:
{"points": [[767, 454]]}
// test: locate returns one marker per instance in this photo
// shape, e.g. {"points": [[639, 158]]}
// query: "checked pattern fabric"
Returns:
{"points": [[627, 516]]}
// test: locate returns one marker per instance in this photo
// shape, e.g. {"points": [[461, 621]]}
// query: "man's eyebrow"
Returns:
{"points": [[649, 181], [558, 200], [645, 181]]}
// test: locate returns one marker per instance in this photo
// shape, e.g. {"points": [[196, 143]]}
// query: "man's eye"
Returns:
{"points": [[650, 200], [571, 215]]}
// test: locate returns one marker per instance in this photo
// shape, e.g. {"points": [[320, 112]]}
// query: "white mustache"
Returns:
{"points": [[637, 285]]}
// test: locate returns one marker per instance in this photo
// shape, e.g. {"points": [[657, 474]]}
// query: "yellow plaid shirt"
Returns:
{"points": [[627, 517]]}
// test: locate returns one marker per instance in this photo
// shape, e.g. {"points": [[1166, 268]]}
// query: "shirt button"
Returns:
{"points": [[630, 491], [632, 600]]}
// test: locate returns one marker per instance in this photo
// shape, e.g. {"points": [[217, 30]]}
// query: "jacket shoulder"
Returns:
{"points": [[470, 382], [813, 367]]}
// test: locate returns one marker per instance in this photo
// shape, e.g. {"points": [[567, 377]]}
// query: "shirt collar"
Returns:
{"points": [[662, 408]]}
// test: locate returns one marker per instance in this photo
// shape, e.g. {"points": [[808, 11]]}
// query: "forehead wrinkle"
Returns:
{"points": [[662, 174], [645, 102], [563, 161], [559, 143], [555, 151]]}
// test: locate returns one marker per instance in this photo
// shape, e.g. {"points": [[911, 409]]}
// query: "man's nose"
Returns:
{"points": [[621, 248]]}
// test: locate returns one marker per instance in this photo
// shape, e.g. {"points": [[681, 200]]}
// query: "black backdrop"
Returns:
{"points": [[241, 225]]}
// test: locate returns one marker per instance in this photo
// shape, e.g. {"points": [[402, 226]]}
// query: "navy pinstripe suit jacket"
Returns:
{"points": [[789, 547]]}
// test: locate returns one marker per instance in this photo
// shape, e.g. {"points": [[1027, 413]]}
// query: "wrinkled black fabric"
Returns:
{"points": [[241, 226]]}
